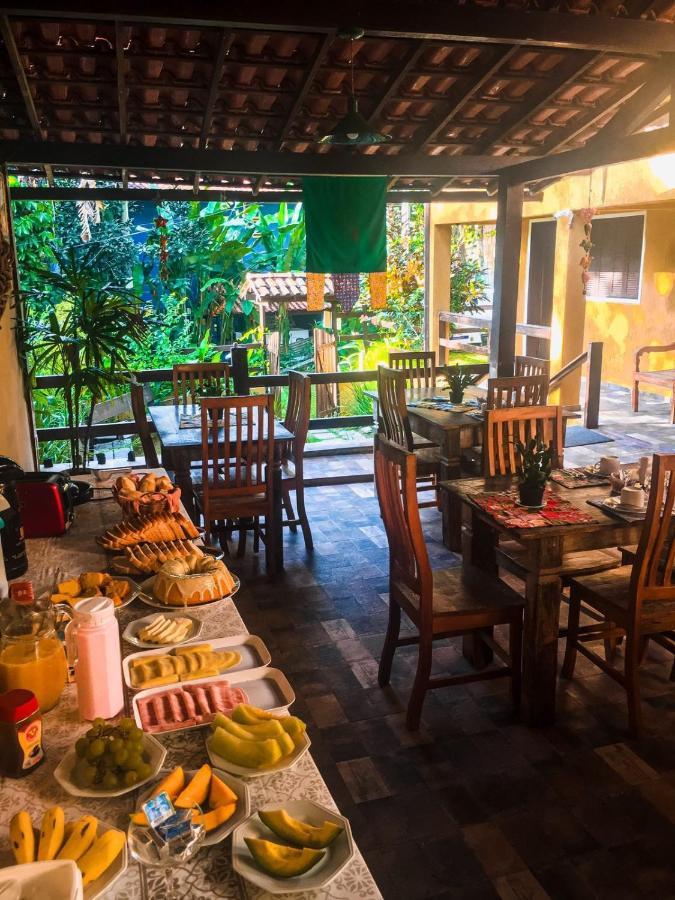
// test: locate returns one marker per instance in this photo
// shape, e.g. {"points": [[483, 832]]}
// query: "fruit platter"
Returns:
{"points": [[300, 846], [253, 742], [110, 760], [96, 584], [163, 630], [99, 851], [190, 661]]}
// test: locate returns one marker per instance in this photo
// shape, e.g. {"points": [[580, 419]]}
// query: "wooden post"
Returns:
{"points": [[240, 371], [593, 382], [507, 270]]}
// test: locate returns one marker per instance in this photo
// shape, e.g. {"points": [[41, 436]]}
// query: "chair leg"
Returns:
{"points": [[270, 544], [636, 396], [256, 535], [632, 670], [421, 683], [390, 639], [241, 547], [516, 654], [572, 635], [611, 645], [302, 515], [288, 508]]}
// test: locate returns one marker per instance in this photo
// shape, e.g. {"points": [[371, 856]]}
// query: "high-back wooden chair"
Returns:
{"points": [[438, 602], [419, 366], [187, 377], [531, 390], [395, 425], [292, 459], [531, 365], [504, 427], [237, 462], [142, 425], [637, 601]]}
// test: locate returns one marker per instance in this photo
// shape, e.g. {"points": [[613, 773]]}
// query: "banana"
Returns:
{"points": [[103, 852], [22, 837], [81, 838], [51, 833]]}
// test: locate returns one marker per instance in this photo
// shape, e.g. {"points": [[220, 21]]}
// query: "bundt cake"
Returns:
{"points": [[193, 579]]}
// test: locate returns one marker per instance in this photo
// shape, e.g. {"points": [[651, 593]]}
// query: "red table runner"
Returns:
{"points": [[503, 506]]}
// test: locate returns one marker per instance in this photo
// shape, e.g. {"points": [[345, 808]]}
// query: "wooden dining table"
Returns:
{"points": [[183, 446], [543, 559]]}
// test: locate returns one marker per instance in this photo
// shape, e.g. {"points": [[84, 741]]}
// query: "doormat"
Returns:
{"points": [[578, 436]]}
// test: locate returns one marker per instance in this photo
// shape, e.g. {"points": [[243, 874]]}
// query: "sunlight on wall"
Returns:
{"points": [[663, 168]]}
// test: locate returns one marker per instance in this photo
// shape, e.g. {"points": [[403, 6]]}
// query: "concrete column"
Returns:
{"points": [[569, 308], [507, 271], [437, 279]]}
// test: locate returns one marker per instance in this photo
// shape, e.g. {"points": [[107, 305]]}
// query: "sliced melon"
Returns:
{"points": [[250, 754], [245, 714], [196, 791], [283, 862], [293, 726], [216, 817], [297, 832], [220, 794]]}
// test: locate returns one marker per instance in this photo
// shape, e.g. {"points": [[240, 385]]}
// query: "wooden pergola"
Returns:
{"points": [[169, 101]]}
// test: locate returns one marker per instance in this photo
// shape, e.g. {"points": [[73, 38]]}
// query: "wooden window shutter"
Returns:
{"points": [[617, 257]]}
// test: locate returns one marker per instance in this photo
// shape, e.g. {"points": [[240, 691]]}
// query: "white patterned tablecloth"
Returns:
{"points": [[209, 873]]}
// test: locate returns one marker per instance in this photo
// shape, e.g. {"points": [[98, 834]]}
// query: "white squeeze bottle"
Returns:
{"points": [[93, 644]]}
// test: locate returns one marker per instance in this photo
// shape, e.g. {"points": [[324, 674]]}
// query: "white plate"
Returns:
{"points": [[266, 688], [254, 655], [62, 773], [245, 772], [615, 503], [243, 810], [134, 592], [148, 598], [133, 628], [336, 857], [57, 879]]}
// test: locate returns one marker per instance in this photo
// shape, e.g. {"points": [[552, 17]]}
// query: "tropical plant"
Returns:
{"points": [[90, 330], [536, 460], [458, 382]]}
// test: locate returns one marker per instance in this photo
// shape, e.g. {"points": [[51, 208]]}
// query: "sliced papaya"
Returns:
{"points": [[196, 791], [297, 832], [220, 794], [283, 862], [215, 817], [172, 784]]}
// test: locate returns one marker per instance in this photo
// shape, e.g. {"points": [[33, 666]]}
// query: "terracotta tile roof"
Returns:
{"points": [[276, 288]]}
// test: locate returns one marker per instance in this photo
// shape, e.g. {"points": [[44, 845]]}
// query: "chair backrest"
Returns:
{"points": [[531, 365], [297, 412], [419, 366], [142, 425], [394, 421], [395, 482], [503, 427], [187, 377], [237, 445], [529, 390], [652, 576]]}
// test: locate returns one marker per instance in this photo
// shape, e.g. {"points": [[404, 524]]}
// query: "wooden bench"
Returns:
{"points": [[663, 378]]}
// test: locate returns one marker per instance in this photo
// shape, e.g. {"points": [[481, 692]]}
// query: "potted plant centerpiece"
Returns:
{"points": [[536, 459], [458, 382], [207, 388]]}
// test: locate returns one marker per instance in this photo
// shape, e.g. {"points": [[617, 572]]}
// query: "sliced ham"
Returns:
{"points": [[186, 707]]}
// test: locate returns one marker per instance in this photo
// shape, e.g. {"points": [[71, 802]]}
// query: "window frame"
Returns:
{"points": [[629, 301]]}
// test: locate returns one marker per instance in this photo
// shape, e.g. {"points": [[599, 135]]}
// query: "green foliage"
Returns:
{"points": [[536, 461], [469, 277], [458, 382]]}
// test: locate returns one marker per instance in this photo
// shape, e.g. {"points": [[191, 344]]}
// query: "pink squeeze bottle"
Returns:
{"points": [[93, 643]]}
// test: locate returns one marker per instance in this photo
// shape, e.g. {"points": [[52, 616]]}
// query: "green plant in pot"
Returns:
{"points": [[458, 382], [207, 388], [86, 333], [536, 459]]}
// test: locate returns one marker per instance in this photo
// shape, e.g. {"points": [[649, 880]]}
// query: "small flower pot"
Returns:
{"points": [[457, 397], [531, 494]]}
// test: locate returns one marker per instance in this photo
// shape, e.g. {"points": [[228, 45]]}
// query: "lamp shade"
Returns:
{"points": [[353, 130]]}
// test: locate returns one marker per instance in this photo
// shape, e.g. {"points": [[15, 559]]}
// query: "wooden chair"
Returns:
{"points": [[237, 468], [637, 601], [142, 425], [527, 366], [292, 458], [419, 366], [395, 425], [440, 603], [661, 377], [187, 377], [504, 427], [530, 390]]}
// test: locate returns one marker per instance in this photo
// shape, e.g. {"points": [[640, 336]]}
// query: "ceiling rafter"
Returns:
{"points": [[404, 68], [224, 46], [120, 68], [315, 64]]}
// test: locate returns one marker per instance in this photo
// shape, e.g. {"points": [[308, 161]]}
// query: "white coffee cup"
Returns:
{"points": [[608, 465], [633, 496]]}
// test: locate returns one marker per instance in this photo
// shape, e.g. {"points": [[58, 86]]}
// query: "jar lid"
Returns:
{"points": [[17, 705], [94, 611]]}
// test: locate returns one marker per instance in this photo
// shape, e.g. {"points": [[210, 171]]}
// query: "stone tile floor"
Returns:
{"points": [[474, 805]]}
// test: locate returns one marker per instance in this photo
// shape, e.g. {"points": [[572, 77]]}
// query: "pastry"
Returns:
{"points": [[91, 584], [138, 529], [150, 556], [194, 579]]}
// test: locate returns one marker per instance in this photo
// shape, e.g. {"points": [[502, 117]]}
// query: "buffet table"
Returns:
{"points": [[209, 873]]}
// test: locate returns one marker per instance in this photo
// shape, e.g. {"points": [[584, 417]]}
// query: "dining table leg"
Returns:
{"points": [[451, 506], [478, 551], [179, 461], [277, 515]]}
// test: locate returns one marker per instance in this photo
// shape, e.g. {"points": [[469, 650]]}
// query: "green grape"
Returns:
{"points": [[116, 744], [106, 763], [81, 746], [136, 735], [99, 723], [144, 771], [96, 748], [91, 734], [121, 756], [110, 781], [125, 725], [133, 761], [130, 778], [88, 776]]}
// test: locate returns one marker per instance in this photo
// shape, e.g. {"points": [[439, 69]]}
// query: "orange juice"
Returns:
{"points": [[35, 664]]}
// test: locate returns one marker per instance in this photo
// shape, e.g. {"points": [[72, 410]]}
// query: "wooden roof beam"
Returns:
{"points": [[314, 65], [224, 47], [379, 18], [408, 61]]}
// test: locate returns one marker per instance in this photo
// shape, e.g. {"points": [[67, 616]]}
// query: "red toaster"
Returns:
{"points": [[46, 503]]}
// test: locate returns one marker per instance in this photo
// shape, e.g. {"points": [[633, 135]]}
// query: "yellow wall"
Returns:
{"points": [[645, 185]]}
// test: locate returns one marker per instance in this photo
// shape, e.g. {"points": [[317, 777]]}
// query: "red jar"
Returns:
{"points": [[20, 733]]}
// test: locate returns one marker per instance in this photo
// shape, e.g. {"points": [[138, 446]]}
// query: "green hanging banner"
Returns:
{"points": [[345, 222]]}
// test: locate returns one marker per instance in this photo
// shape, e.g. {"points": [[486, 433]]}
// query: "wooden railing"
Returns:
{"points": [[447, 321], [592, 356]]}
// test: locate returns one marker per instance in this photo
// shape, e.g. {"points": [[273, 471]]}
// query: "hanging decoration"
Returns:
{"points": [[586, 216], [345, 222], [377, 282], [163, 234]]}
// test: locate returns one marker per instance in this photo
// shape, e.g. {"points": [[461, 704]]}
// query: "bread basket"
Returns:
{"points": [[149, 502]]}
